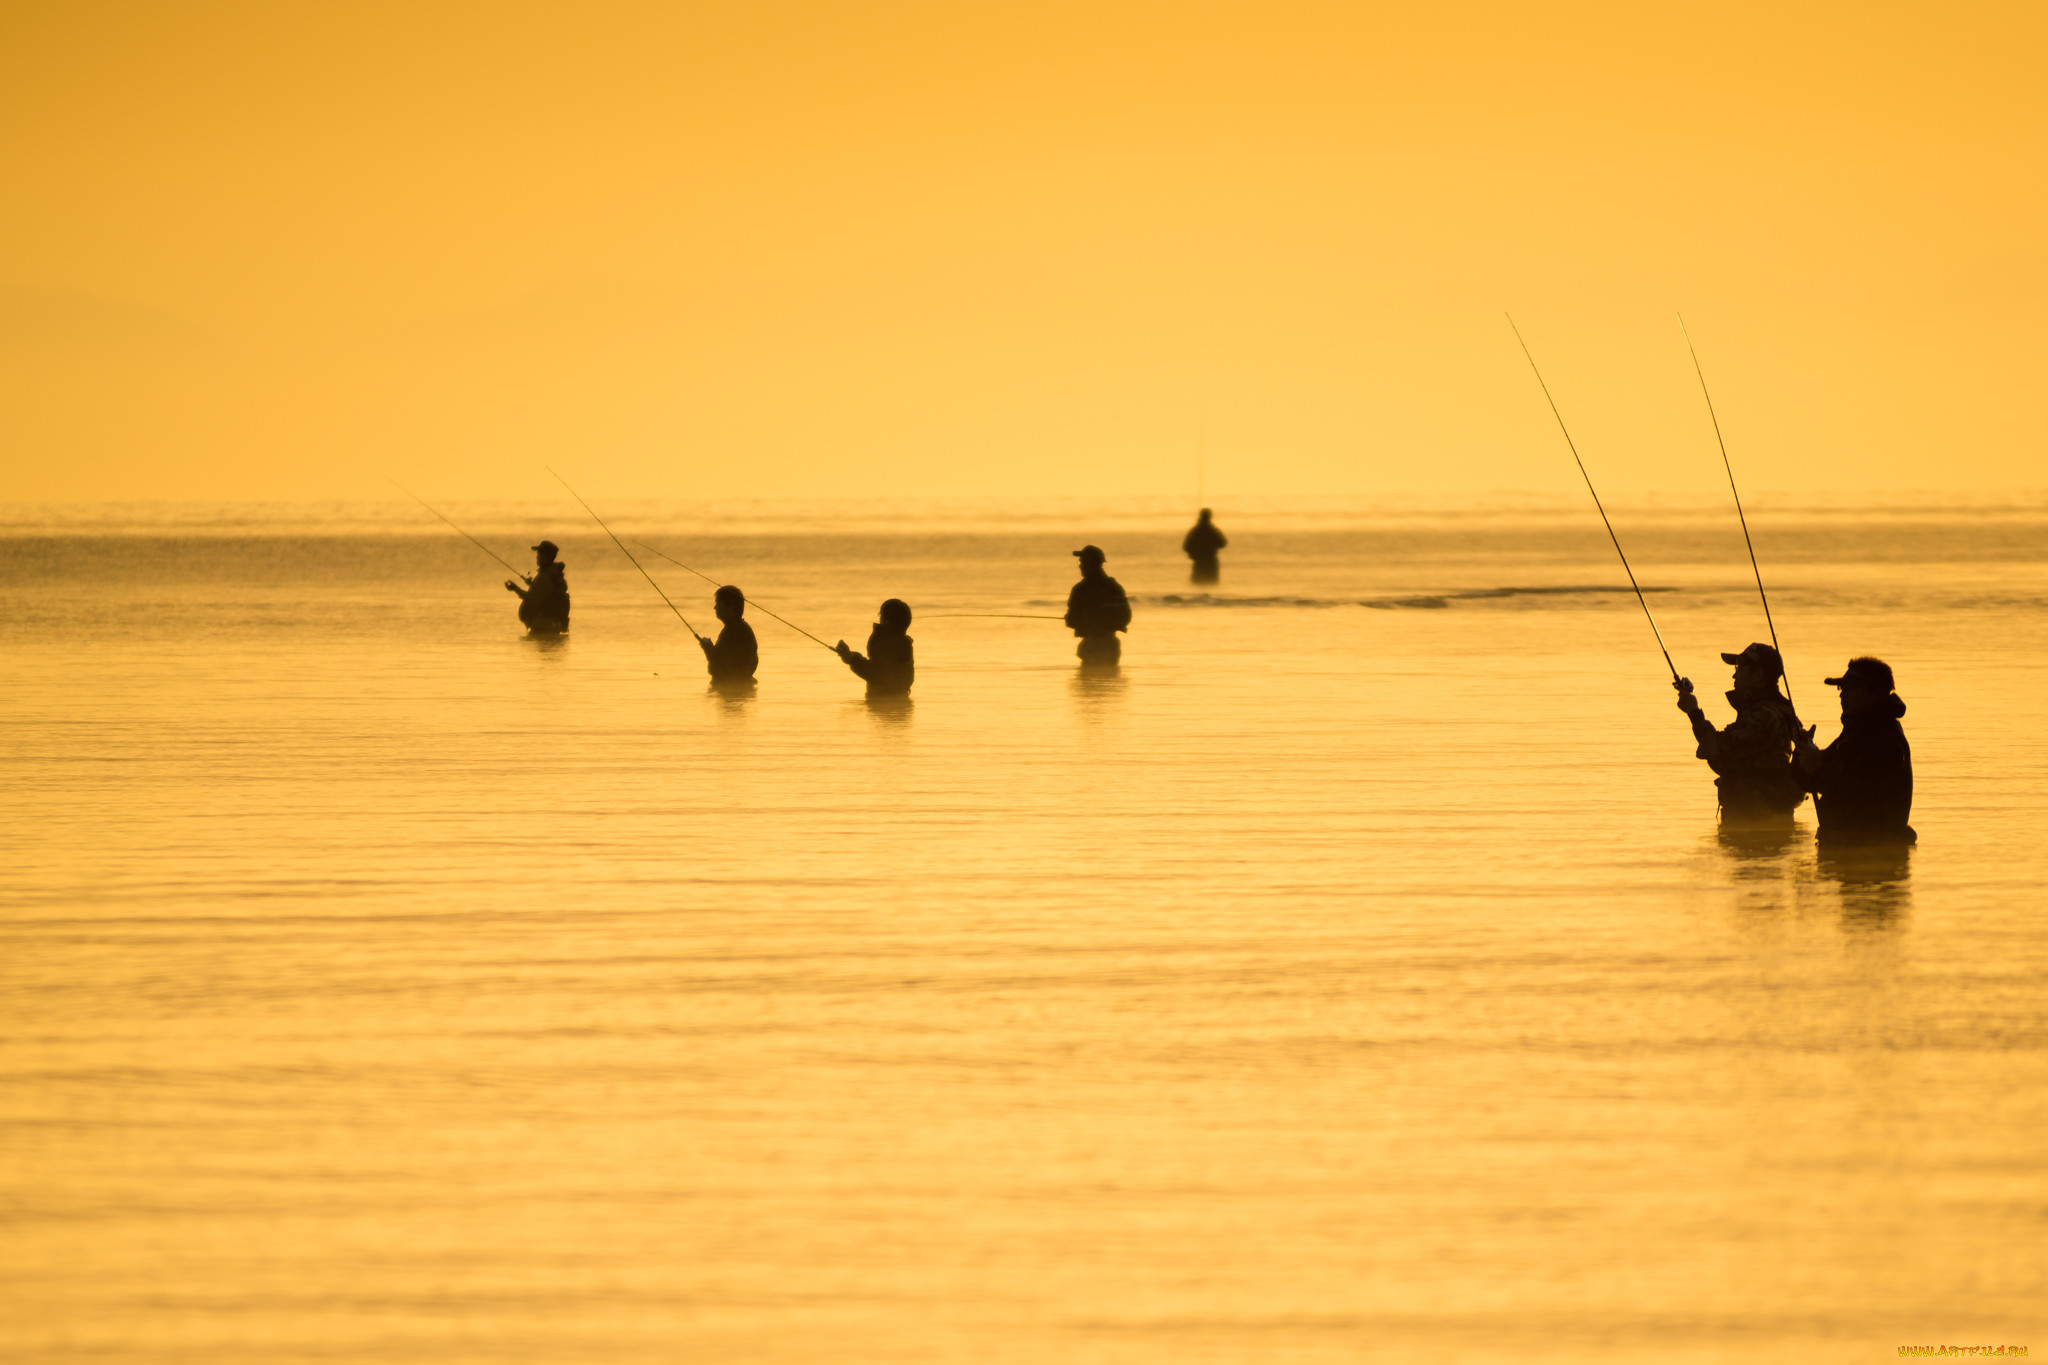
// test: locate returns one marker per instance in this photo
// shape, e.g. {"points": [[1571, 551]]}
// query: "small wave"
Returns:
{"points": [[1555, 592], [1997, 603], [1422, 602], [1205, 599]]}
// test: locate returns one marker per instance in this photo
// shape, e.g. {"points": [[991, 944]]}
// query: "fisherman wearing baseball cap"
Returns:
{"points": [[1096, 610], [544, 601], [1752, 756], [1862, 783]]}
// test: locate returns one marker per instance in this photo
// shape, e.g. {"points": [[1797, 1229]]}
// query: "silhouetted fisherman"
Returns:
{"points": [[1201, 545], [544, 601], [889, 665], [736, 654], [1752, 757], [1096, 610], [1862, 784]]}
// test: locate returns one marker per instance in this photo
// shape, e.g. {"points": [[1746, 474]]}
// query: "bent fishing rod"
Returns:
{"points": [[626, 552], [743, 597], [1723, 443], [452, 526], [1573, 446]]}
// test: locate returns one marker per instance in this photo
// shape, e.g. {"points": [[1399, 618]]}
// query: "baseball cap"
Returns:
{"points": [[1760, 654], [1865, 671]]}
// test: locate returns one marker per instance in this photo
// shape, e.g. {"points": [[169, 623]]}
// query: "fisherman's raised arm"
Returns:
{"points": [[1702, 729], [1751, 756]]}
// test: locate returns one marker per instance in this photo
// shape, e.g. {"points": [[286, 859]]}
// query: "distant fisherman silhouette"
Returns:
{"points": [[889, 665], [1096, 610], [737, 654], [1752, 757], [1201, 546], [1862, 784], [544, 601]]}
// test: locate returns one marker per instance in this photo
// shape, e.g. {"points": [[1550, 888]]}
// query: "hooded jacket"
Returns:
{"points": [[1863, 788], [546, 595], [890, 665]]}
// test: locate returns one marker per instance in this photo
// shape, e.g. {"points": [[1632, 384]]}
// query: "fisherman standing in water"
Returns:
{"points": [[544, 601], [1863, 783], [736, 654], [1752, 757], [1201, 545], [889, 665], [1096, 610]]}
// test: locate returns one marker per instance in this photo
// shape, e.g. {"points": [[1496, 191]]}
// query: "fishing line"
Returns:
{"points": [[1596, 498], [1761, 594], [626, 552], [985, 616], [457, 529], [743, 597]]}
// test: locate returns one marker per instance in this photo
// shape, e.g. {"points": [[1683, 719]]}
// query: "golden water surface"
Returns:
{"points": [[1359, 973]]}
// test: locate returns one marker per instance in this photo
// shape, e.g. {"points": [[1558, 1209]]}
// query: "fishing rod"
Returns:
{"points": [[985, 616], [743, 597], [457, 529], [1722, 441], [1596, 499], [626, 552]]}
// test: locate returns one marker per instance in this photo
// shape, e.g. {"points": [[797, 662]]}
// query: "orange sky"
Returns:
{"points": [[272, 251]]}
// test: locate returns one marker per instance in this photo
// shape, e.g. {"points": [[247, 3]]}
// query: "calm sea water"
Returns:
{"points": [[1359, 973]]}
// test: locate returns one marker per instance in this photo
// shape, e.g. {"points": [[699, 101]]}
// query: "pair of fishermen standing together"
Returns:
{"points": [[889, 667], [1765, 762]]}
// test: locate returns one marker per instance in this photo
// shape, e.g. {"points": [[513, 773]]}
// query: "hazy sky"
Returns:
{"points": [[278, 250]]}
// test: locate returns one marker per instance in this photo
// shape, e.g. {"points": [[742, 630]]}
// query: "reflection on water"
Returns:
{"points": [[548, 642], [733, 694], [1354, 985], [1773, 861], [1098, 690], [1759, 845], [891, 712], [1766, 860], [1872, 879]]}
